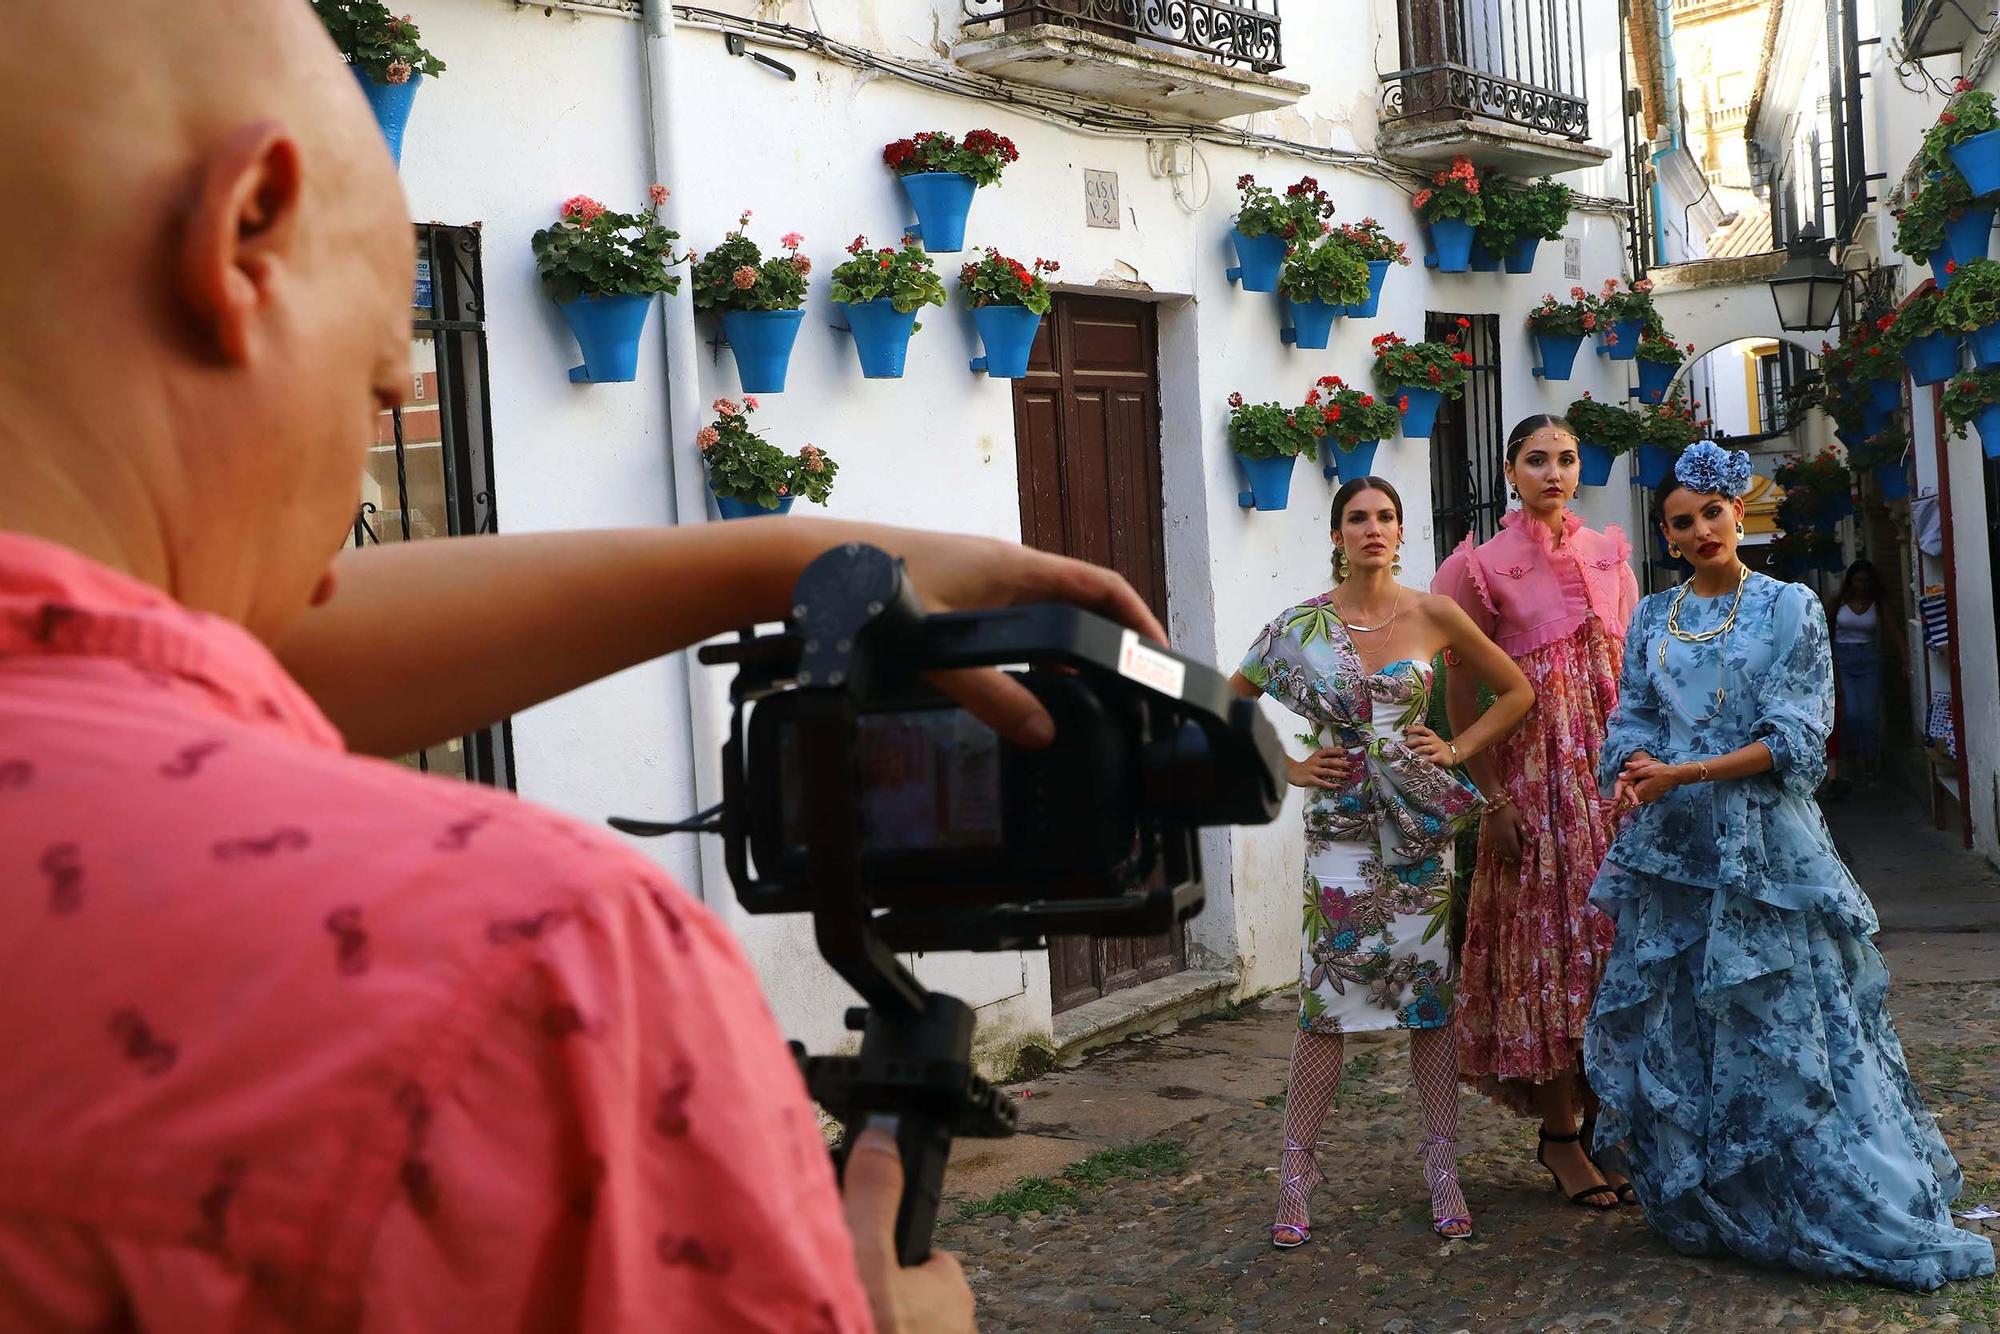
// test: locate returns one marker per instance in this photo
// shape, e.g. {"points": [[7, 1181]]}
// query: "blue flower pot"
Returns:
{"points": [[1009, 335], [1893, 481], [1654, 461], [1941, 267], [1258, 259], [1985, 345], [1270, 482], [1351, 464], [1420, 417], [730, 507], [942, 199], [1838, 506], [1596, 461], [1451, 244], [1886, 395], [607, 329], [1481, 259], [1627, 345], [391, 104], [1932, 359], [1558, 353], [1847, 437], [1988, 423], [1654, 377], [762, 341], [1873, 419], [1978, 160], [1966, 237], [1521, 255], [1378, 274], [1312, 322], [881, 337]]}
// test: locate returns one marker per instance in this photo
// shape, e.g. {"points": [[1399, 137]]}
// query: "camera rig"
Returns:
{"points": [[1095, 834]]}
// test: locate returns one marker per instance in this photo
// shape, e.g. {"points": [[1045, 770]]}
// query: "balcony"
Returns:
{"points": [[1191, 60], [1498, 81], [1940, 27]]}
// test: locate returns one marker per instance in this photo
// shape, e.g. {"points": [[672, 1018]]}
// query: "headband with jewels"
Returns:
{"points": [[1710, 469]]}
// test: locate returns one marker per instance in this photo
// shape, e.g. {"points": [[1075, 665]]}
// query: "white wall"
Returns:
{"points": [[537, 107]]}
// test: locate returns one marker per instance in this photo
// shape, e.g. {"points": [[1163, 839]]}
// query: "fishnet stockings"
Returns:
{"points": [[1317, 1059]]}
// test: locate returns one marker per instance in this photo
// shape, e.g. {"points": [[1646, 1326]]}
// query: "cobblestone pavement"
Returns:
{"points": [[1189, 1250]]}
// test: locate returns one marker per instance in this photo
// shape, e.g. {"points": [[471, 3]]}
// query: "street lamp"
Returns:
{"points": [[1808, 288]]}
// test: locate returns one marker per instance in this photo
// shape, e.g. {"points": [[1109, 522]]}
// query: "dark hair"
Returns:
{"points": [[1527, 426], [1861, 566], [1356, 487]]}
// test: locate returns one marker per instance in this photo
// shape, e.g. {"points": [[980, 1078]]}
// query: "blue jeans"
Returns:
{"points": [[1860, 669]]}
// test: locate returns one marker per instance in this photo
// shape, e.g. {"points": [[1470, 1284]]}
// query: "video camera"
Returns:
{"points": [[870, 799]]}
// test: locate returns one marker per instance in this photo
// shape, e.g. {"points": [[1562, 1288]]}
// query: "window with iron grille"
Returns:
{"points": [[430, 465], [1469, 446], [1237, 32], [1518, 61]]}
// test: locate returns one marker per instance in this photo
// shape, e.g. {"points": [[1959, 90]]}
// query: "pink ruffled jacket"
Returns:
{"points": [[1526, 592]]}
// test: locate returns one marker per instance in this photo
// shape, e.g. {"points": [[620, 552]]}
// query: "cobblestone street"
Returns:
{"points": [[1163, 1226]]}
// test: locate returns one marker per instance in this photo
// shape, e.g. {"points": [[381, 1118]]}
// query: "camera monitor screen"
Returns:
{"points": [[930, 782]]}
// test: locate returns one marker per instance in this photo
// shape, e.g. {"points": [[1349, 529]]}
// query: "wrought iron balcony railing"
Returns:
{"points": [[1237, 32], [1517, 61]]}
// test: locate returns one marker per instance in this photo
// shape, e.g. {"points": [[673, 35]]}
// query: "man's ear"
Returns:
{"points": [[239, 230]]}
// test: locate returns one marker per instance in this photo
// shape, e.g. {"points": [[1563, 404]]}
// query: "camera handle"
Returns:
{"points": [[915, 1067]]}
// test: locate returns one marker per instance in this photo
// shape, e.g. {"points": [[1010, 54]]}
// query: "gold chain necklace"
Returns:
{"points": [[1395, 610], [1720, 631]]}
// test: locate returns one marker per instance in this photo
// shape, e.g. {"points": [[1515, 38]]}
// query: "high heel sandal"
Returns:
{"points": [[1583, 1198], [1433, 1174], [1299, 1186], [1624, 1191]]}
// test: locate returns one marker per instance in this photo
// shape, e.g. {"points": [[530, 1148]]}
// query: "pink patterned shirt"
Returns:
{"points": [[1525, 591], [291, 1039]]}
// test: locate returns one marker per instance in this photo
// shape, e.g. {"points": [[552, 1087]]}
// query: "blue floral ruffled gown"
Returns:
{"points": [[1740, 1043]]}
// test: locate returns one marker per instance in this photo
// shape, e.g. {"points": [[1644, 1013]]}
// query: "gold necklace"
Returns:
{"points": [[1395, 610], [1722, 649]]}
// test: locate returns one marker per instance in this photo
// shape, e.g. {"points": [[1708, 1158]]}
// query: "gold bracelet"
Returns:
{"points": [[1702, 766], [1455, 761]]}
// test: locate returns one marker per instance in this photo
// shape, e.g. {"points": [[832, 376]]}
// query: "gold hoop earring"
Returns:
{"points": [[1674, 550]]}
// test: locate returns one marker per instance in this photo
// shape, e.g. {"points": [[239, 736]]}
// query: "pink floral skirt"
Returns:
{"points": [[1534, 947]]}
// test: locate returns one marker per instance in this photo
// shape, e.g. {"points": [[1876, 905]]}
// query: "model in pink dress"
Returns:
{"points": [[1556, 596]]}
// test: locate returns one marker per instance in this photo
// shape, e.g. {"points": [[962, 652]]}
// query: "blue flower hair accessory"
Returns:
{"points": [[1708, 468]]}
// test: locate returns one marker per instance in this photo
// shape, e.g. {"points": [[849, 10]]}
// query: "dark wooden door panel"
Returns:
{"points": [[1087, 432]]}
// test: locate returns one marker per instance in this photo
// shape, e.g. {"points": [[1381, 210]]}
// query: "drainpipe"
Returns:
{"points": [[684, 495], [1663, 15]]}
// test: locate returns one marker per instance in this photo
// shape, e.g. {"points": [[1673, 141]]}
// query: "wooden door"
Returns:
{"points": [[1087, 428]]}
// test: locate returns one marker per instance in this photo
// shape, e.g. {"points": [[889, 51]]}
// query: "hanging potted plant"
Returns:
{"points": [[1536, 213], [1452, 208], [1971, 307], [748, 475], [1623, 313], [1419, 376], [1603, 432], [1355, 423], [1882, 456], [1797, 550], [1559, 329], [1943, 225], [1267, 224], [1659, 359], [603, 270], [1321, 279], [1818, 490], [761, 302], [1930, 352], [1499, 225], [882, 291], [1967, 134], [1007, 300], [387, 56], [940, 172], [1973, 398], [1268, 439], [1380, 251], [1664, 430]]}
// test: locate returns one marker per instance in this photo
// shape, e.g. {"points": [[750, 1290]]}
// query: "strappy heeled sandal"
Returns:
{"points": [[1296, 1188], [1585, 1198], [1435, 1173], [1624, 1191]]}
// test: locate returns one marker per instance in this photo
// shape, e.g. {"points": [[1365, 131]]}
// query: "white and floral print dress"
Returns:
{"points": [[1376, 948]]}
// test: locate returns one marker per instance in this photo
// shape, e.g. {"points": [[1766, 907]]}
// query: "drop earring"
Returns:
{"points": [[1674, 550], [1396, 560], [1340, 563]]}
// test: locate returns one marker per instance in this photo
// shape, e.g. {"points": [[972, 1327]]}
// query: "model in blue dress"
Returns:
{"points": [[1740, 1044]]}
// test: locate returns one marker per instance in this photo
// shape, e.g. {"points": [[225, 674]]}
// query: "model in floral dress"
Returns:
{"points": [[1556, 596], [1384, 800]]}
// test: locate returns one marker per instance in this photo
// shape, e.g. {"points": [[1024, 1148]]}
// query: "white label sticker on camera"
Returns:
{"points": [[1150, 667]]}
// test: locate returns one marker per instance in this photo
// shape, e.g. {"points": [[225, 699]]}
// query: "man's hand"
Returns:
{"points": [[932, 1298]]}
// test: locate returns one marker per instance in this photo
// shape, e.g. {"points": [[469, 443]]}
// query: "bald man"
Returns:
{"points": [[291, 1038]]}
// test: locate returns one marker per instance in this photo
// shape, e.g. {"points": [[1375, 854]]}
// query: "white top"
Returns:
{"points": [[1854, 627]]}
